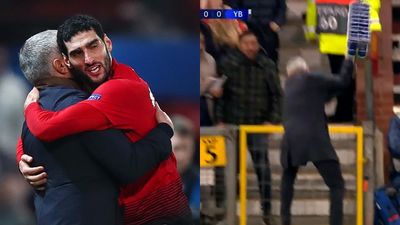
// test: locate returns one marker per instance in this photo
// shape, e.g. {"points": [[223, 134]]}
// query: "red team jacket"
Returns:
{"points": [[124, 102]]}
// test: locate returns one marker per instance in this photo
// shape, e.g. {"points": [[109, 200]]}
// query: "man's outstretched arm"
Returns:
{"points": [[49, 126], [127, 161], [124, 160], [342, 80]]}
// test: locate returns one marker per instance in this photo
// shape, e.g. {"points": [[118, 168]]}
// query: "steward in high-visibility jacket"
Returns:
{"points": [[328, 19]]}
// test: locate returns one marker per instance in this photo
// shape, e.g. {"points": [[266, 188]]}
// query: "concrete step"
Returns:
{"points": [[350, 144], [302, 220], [311, 200], [304, 182], [300, 207], [346, 158], [310, 168], [310, 194], [333, 136]]}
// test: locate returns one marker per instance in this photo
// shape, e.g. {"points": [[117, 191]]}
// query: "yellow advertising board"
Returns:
{"points": [[212, 151]]}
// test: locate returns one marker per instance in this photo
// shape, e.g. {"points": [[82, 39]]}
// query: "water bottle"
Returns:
{"points": [[358, 33]]}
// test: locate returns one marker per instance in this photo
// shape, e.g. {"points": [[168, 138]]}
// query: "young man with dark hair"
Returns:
{"points": [[266, 20], [125, 102], [251, 95]]}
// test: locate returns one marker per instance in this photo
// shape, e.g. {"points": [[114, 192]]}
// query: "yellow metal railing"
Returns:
{"points": [[245, 129]]}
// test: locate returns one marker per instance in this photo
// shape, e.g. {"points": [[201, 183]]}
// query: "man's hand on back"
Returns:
{"points": [[35, 176], [274, 27]]}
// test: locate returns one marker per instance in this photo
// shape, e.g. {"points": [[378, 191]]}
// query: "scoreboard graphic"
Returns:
{"points": [[242, 14]]}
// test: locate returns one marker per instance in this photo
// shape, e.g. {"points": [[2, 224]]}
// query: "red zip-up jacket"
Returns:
{"points": [[124, 102]]}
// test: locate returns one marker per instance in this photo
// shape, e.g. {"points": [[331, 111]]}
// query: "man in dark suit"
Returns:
{"points": [[306, 135], [84, 171]]}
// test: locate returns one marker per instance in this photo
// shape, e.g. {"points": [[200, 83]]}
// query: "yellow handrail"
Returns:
{"points": [[245, 129]]}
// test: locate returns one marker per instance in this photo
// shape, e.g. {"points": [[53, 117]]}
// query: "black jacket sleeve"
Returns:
{"points": [[339, 82], [237, 4], [124, 160], [280, 17], [274, 99]]}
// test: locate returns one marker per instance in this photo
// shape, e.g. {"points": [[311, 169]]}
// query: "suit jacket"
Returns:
{"points": [[85, 170], [306, 135]]}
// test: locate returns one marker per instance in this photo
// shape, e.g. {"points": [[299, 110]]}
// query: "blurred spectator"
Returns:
{"points": [[206, 31], [394, 134], [251, 95], [393, 138], [12, 97], [183, 145], [210, 46], [210, 85], [165, 18], [210, 89], [14, 194], [266, 20], [225, 32], [203, 4]]}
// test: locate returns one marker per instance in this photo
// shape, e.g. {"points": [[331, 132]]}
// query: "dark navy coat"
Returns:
{"points": [[306, 135], [85, 170]]}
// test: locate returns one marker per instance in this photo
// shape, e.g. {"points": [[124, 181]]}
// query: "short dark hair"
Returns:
{"points": [[246, 33], [73, 26]]}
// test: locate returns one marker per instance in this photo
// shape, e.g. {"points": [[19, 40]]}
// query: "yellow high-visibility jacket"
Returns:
{"points": [[331, 26]]}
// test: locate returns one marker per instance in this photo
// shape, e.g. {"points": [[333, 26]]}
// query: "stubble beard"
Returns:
{"points": [[85, 81]]}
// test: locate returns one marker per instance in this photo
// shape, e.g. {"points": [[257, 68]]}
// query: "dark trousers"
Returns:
{"points": [[220, 187], [332, 175], [257, 145], [268, 39], [205, 119], [345, 100]]}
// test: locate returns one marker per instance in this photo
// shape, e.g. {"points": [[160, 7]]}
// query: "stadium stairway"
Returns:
{"points": [[311, 199]]}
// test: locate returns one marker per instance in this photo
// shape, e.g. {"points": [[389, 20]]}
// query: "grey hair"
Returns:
{"points": [[296, 65], [36, 55]]}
